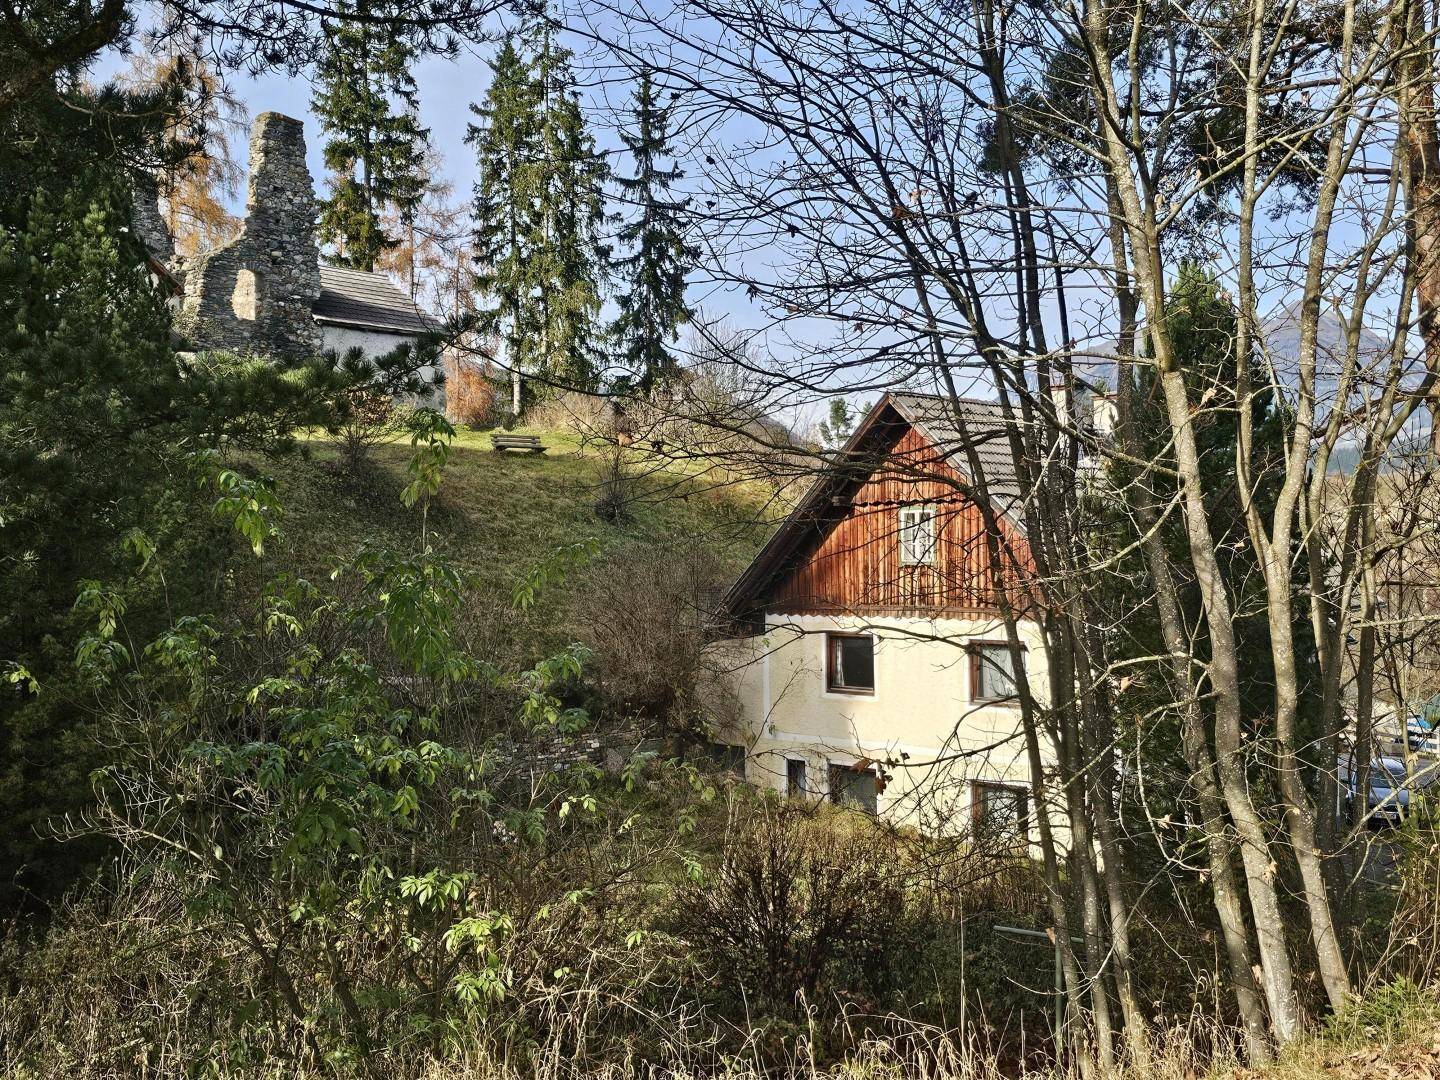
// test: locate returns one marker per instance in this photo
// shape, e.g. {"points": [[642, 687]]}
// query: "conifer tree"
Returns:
{"points": [[652, 303], [572, 261], [538, 210], [368, 104], [506, 142]]}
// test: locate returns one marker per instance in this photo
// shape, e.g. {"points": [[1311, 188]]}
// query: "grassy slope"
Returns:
{"points": [[498, 515]]}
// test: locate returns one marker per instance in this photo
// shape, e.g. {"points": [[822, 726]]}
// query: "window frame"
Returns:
{"points": [[831, 686], [932, 557], [1020, 791], [976, 651], [833, 794], [791, 791]]}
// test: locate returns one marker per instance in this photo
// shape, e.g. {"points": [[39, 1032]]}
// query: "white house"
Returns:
{"points": [[870, 662]]}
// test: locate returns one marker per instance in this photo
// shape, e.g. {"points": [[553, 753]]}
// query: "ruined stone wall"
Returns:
{"points": [[254, 295], [150, 227]]}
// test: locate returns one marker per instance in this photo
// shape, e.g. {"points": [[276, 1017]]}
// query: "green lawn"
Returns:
{"points": [[499, 514]]}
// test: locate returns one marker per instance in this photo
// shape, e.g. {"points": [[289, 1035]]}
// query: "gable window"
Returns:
{"points": [[795, 778], [850, 663], [1000, 810], [917, 536], [854, 787], [992, 672]]}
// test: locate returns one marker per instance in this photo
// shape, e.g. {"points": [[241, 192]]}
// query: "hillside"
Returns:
{"points": [[497, 513]]}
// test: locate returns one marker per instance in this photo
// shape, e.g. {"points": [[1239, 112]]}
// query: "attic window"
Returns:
{"points": [[917, 536], [245, 300]]}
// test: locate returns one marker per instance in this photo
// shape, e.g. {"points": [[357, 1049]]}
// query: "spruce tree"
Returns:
{"points": [[572, 261], [538, 205], [506, 142], [368, 105], [652, 303]]}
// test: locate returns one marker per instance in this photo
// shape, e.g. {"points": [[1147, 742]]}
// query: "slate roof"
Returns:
{"points": [[939, 420], [366, 301]]}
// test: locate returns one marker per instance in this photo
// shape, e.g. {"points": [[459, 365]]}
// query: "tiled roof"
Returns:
{"points": [[367, 301], [956, 425]]}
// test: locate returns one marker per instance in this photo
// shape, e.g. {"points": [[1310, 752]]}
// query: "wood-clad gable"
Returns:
{"points": [[845, 556]]}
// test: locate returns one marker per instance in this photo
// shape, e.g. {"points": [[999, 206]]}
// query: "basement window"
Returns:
{"points": [[850, 663], [855, 787], [795, 778], [729, 757], [917, 536], [1000, 810]]}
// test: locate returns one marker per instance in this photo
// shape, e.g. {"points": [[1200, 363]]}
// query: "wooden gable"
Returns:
{"points": [[849, 558]]}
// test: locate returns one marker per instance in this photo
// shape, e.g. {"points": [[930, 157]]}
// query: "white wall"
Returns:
{"points": [[374, 343], [920, 724]]}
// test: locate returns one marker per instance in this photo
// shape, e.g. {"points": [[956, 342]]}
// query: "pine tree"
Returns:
{"points": [[652, 305], [368, 104], [506, 142]]}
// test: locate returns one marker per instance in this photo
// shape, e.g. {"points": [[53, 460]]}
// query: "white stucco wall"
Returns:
{"points": [[920, 725], [375, 343]]}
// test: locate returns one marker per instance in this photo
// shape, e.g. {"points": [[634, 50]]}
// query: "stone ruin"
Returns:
{"points": [[255, 294]]}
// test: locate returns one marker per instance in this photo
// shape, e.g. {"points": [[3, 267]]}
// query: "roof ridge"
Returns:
{"points": [[946, 398]]}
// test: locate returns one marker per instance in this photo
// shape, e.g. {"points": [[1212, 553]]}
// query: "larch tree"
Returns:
{"points": [[368, 105], [651, 300], [199, 172]]}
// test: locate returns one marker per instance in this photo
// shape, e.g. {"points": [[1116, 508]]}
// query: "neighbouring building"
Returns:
{"points": [[266, 292], [869, 661]]}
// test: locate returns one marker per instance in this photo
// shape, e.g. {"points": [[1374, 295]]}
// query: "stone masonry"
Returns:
{"points": [[150, 225], [255, 294]]}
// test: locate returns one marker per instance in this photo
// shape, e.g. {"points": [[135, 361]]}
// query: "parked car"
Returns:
{"points": [[1389, 795]]}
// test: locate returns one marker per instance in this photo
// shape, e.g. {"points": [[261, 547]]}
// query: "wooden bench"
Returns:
{"points": [[529, 443]]}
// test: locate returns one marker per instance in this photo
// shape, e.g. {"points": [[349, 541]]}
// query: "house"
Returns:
{"points": [[266, 292], [869, 661]]}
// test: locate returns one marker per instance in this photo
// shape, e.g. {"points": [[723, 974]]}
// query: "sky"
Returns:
{"points": [[447, 87]]}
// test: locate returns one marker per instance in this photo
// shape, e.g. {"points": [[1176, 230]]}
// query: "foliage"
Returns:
{"points": [[1386, 1013], [99, 419], [366, 99], [651, 300], [1201, 318]]}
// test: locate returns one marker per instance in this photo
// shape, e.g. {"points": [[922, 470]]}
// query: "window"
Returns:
{"points": [[917, 536], [1000, 810], [795, 778], [854, 787], [729, 757], [850, 663], [245, 300], [992, 674]]}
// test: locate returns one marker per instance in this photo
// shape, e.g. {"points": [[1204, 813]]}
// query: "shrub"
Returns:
{"points": [[801, 906], [472, 395], [1385, 1013], [642, 609]]}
